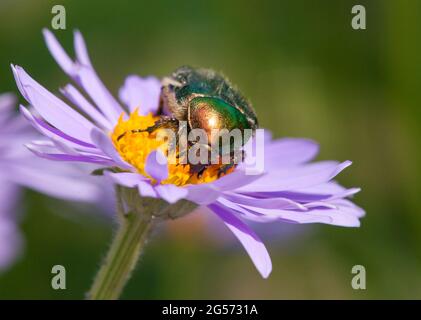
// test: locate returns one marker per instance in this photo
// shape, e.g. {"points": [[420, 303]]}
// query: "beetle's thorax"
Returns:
{"points": [[186, 84]]}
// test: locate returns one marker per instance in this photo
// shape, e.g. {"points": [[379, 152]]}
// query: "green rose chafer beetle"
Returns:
{"points": [[205, 100]]}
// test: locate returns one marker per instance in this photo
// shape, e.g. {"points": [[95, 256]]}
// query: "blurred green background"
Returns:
{"points": [[308, 74]]}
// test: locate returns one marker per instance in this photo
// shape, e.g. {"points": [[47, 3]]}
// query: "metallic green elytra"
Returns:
{"points": [[210, 113], [206, 100]]}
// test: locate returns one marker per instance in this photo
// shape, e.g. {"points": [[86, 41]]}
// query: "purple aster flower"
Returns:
{"points": [[88, 129], [20, 168]]}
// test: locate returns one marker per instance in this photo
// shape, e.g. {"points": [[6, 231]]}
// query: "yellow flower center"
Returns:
{"points": [[135, 145]]}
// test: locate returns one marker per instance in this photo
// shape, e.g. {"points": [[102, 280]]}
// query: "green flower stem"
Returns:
{"points": [[122, 256]]}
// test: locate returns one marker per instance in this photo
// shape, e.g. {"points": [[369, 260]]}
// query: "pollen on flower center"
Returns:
{"points": [[135, 145]]}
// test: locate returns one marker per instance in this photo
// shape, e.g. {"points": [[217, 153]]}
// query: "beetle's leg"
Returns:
{"points": [[169, 124], [235, 159], [199, 168], [163, 123], [225, 168]]}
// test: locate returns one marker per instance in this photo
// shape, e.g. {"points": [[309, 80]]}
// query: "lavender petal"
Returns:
{"points": [[106, 145], [156, 166], [171, 193], [297, 177], [142, 93], [52, 109], [250, 241]]}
